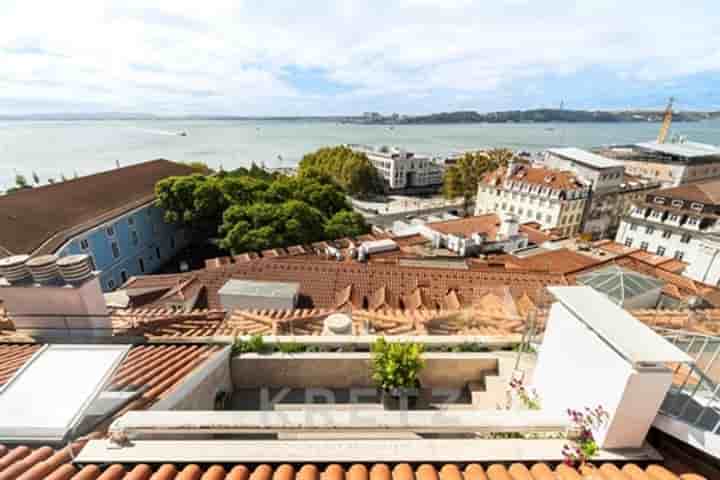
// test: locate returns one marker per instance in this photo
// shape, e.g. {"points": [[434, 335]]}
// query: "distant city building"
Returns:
{"points": [[553, 198], [671, 164], [401, 169], [110, 216], [681, 222], [612, 191]]}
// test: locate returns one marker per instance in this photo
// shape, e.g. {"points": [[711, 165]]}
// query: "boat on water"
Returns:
{"points": [[182, 134]]}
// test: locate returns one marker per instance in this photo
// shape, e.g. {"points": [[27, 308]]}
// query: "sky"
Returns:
{"points": [[339, 57]]}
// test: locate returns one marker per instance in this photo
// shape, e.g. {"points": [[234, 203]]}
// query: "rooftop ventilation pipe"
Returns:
{"points": [[15, 269], [45, 270], [75, 268]]}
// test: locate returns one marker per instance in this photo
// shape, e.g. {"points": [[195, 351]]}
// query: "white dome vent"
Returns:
{"points": [[75, 268], [15, 269], [45, 270]]}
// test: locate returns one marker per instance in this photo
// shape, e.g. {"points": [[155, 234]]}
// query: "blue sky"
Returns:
{"points": [[283, 57]]}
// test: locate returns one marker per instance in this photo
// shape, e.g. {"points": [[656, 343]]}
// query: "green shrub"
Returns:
{"points": [[255, 344], [292, 347], [396, 365]]}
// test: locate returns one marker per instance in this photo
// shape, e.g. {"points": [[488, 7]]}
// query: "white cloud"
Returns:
{"points": [[225, 56]]}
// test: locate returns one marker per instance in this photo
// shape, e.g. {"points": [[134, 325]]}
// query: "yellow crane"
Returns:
{"points": [[667, 120]]}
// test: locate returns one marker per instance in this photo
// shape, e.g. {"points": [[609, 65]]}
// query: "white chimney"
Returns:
{"points": [[509, 226], [62, 297]]}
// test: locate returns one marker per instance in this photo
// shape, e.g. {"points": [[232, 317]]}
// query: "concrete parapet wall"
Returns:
{"points": [[345, 370]]}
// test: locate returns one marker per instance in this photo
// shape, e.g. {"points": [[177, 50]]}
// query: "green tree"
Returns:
{"points": [[263, 225], [194, 200], [21, 182], [351, 170], [346, 223], [462, 179]]}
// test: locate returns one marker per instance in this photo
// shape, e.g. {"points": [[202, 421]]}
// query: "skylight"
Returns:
{"points": [[48, 397]]}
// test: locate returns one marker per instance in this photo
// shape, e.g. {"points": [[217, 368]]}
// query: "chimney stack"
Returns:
{"points": [[49, 297]]}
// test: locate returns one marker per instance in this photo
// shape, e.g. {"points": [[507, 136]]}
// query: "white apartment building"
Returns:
{"points": [[611, 190], [401, 169], [671, 164], [681, 222], [555, 199]]}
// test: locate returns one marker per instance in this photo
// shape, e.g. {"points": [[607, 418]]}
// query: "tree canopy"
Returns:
{"points": [[351, 170], [251, 213], [462, 179]]}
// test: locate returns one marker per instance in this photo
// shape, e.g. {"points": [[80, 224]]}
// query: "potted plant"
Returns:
{"points": [[395, 370]]}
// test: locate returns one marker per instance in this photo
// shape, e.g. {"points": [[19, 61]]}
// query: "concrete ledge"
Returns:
{"points": [[336, 420], [361, 342], [353, 369], [344, 451]]}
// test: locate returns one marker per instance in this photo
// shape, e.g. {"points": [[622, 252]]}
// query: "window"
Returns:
{"points": [[679, 255], [538, 216], [685, 238], [157, 252], [141, 264], [649, 230], [115, 250], [123, 276], [661, 251], [111, 284], [110, 231], [172, 242], [131, 220], [548, 218], [667, 234], [628, 242], [633, 227], [644, 246], [134, 239], [84, 244]]}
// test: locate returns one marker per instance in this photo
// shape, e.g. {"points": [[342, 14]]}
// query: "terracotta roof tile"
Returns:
{"points": [[535, 175], [24, 463]]}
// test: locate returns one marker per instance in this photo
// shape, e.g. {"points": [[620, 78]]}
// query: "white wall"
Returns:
{"points": [[577, 369]]}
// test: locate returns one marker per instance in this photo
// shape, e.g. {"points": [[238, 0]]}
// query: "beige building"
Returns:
{"points": [[553, 198]]}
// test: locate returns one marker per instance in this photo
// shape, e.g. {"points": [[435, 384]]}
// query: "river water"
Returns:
{"points": [[52, 148]]}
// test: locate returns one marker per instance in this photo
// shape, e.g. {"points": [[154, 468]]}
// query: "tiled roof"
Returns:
{"points": [[558, 261], [705, 191], [534, 175], [45, 463], [320, 280], [489, 224], [41, 219]]}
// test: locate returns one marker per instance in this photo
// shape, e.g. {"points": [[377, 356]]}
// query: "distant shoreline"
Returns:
{"points": [[445, 118]]}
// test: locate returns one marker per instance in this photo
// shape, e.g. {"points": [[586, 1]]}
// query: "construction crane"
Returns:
{"points": [[667, 120]]}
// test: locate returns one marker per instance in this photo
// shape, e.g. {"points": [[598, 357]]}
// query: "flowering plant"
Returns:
{"points": [[584, 447], [529, 397]]}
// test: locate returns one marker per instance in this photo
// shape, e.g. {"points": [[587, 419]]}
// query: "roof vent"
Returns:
{"points": [[549, 178], [337, 324], [45, 270], [75, 268], [15, 269]]}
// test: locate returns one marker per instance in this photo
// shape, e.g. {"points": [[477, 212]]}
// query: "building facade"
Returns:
{"points": [[612, 191], [670, 164], [554, 199], [136, 243], [111, 216], [401, 169], [681, 222]]}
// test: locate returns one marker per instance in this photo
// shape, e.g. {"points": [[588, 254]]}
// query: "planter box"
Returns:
{"points": [[346, 370]]}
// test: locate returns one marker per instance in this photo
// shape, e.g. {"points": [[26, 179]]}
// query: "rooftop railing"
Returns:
{"points": [[694, 396]]}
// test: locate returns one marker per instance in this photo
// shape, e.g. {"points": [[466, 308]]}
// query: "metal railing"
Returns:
{"points": [[694, 395]]}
